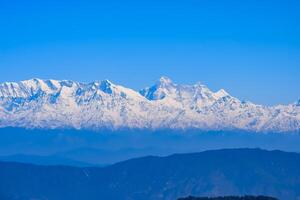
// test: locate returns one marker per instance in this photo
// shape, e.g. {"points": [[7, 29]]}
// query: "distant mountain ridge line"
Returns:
{"points": [[38, 103], [209, 173], [230, 198]]}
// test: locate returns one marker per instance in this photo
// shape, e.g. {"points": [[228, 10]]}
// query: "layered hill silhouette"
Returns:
{"points": [[210, 173], [230, 198]]}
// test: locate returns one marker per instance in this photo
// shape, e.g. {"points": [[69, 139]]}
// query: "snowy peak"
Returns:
{"points": [[103, 104], [165, 81], [106, 86], [31, 87], [24, 88], [220, 94], [198, 93], [162, 89]]}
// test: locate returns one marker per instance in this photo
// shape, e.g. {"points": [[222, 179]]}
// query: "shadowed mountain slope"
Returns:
{"points": [[210, 173]]}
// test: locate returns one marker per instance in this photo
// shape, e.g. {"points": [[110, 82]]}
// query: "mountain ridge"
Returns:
{"points": [[210, 173], [37, 103]]}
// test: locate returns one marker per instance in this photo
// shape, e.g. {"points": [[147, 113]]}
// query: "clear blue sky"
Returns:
{"points": [[251, 48]]}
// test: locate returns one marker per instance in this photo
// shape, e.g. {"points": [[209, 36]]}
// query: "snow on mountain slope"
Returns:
{"points": [[51, 104]]}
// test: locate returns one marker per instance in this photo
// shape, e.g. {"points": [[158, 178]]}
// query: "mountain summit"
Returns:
{"points": [[40, 103]]}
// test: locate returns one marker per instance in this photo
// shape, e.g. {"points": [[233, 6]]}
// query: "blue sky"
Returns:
{"points": [[250, 48]]}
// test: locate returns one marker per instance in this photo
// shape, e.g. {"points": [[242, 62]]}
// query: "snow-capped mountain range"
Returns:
{"points": [[53, 104]]}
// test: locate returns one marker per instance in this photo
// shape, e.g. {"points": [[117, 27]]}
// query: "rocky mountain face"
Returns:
{"points": [[53, 104]]}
